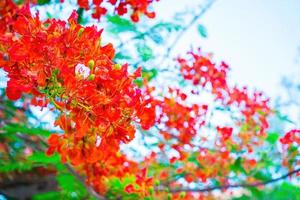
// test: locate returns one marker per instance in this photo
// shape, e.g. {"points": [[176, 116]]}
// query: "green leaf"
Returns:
{"points": [[80, 19], [118, 24], [272, 137], [15, 166], [262, 176], [145, 52], [202, 30], [70, 187], [237, 166], [138, 82], [19, 128], [167, 26], [41, 157], [156, 37], [283, 117], [42, 2], [47, 196], [149, 74], [121, 55], [49, 15]]}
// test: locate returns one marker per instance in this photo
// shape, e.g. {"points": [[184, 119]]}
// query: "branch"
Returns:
{"points": [[245, 185], [90, 190], [180, 33], [82, 180], [189, 25], [186, 28]]}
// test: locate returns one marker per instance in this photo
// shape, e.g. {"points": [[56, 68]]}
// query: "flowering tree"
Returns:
{"points": [[121, 132]]}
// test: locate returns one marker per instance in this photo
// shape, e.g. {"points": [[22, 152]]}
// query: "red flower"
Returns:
{"points": [[12, 91], [129, 189], [226, 132]]}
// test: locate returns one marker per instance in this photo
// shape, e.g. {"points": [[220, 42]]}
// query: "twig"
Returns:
{"points": [[245, 185], [82, 180], [185, 29]]}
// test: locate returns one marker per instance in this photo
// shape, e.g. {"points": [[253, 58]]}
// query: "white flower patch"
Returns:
{"points": [[82, 71], [98, 141]]}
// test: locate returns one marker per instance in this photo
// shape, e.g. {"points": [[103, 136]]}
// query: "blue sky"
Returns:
{"points": [[259, 39]]}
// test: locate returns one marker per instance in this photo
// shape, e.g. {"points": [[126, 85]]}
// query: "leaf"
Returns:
{"points": [[202, 30], [262, 176], [42, 2], [138, 82], [47, 196], [121, 55], [237, 166], [156, 37], [272, 137], [145, 52], [49, 15], [283, 117], [19, 128], [167, 26], [15, 166], [41, 157], [149, 74], [70, 186], [118, 24]]}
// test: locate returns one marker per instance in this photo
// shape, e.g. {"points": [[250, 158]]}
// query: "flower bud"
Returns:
{"points": [[91, 77], [80, 32], [117, 66], [91, 64]]}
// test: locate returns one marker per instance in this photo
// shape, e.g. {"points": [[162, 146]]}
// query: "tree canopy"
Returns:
{"points": [[129, 121]]}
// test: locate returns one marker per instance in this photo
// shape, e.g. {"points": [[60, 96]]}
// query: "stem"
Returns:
{"points": [[243, 185], [193, 21], [186, 28]]}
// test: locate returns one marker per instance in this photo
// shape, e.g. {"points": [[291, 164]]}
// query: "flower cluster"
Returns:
{"points": [[179, 119], [66, 65], [203, 72], [190, 154], [138, 7], [290, 137]]}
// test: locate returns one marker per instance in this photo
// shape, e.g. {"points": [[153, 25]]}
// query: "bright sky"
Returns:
{"points": [[259, 39]]}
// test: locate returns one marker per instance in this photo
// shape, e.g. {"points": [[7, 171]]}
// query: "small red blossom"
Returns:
{"points": [[226, 132], [129, 189]]}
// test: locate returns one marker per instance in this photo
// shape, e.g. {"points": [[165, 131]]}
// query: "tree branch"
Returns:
{"points": [[82, 180], [206, 7], [244, 185]]}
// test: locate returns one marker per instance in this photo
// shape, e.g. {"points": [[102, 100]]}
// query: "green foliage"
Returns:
{"points": [[146, 74], [263, 176], [118, 25], [202, 31], [155, 33], [122, 55], [283, 118], [272, 137], [285, 191], [6, 167], [70, 187], [28, 163], [42, 2], [81, 19], [41, 157], [117, 188], [47, 196], [145, 52], [237, 166], [21, 128]]}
